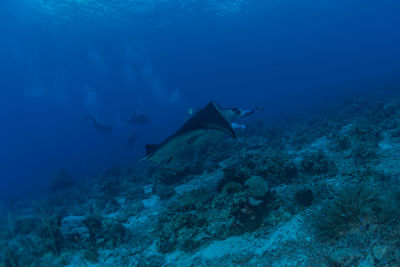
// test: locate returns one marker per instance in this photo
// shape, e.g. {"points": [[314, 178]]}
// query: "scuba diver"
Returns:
{"points": [[140, 119], [98, 124]]}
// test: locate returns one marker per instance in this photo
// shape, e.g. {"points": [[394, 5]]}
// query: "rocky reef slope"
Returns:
{"points": [[321, 191]]}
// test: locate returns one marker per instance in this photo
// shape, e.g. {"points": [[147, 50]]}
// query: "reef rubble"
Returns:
{"points": [[321, 191]]}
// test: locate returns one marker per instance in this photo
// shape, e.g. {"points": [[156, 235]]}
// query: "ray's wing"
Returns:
{"points": [[202, 126], [210, 117]]}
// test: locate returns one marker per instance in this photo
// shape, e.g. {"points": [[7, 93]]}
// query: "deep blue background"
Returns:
{"points": [[287, 56]]}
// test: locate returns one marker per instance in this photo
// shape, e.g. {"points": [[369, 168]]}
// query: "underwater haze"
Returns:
{"points": [[182, 133], [61, 60]]}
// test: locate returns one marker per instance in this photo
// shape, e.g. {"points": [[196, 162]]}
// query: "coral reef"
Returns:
{"points": [[199, 216], [257, 186], [315, 191], [365, 140], [305, 197], [275, 166], [163, 191], [316, 163], [358, 209], [354, 207]]}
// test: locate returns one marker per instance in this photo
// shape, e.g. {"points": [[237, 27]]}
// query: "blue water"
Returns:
{"points": [[60, 60]]}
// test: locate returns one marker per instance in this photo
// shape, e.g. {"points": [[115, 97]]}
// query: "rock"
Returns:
{"points": [[232, 187], [136, 193], [131, 210], [380, 252], [254, 202], [390, 109], [257, 186], [305, 197], [73, 227], [316, 163], [25, 224], [91, 255], [116, 234], [344, 257], [135, 208], [164, 191], [377, 255]]}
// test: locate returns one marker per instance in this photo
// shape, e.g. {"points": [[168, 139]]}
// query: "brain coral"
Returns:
{"points": [[257, 186]]}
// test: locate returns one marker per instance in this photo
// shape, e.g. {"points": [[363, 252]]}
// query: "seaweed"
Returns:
{"points": [[51, 228], [94, 224], [355, 207]]}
